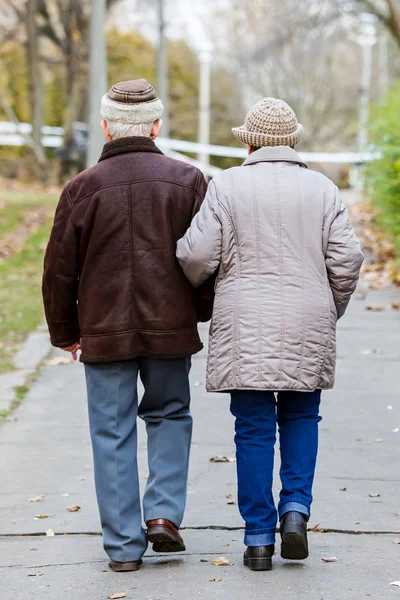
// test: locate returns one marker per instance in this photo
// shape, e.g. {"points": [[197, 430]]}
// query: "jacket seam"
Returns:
{"points": [[236, 337], [258, 259], [300, 187], [129, 183], [128, 331], [131, 255], [278, 200]]}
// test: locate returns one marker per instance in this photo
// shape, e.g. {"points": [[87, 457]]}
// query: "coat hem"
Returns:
{"points": [[269, 388]]}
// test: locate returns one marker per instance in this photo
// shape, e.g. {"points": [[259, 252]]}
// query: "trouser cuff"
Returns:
{"points": [[260, 539], [294, 506]]}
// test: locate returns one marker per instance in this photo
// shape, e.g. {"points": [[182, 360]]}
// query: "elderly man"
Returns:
{"points": [[113, 288]]}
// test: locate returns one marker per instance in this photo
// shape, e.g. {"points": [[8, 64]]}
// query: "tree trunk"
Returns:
{"points": [[35, 82]]}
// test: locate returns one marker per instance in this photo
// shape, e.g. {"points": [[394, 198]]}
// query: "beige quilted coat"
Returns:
{"points": [[288, 264]]}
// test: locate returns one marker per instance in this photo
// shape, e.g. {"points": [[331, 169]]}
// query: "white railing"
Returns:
{"points": [[14, 135]]}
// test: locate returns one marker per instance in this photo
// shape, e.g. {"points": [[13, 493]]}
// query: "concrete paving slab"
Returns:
{"points": [[8, 383], [73, 567], [33, 351]]}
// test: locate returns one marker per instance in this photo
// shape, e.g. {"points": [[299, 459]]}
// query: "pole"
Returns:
{"points": [[205, 57], [97, 78], [365, 97], [383, 67], [162, 67]]}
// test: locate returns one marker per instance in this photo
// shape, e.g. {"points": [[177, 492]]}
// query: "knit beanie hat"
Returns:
{"points": [[132, 102], [270, 122]]}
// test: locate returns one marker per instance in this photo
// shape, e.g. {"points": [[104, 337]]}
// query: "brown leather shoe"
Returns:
{"points": [[124, 567], [164, 536]]}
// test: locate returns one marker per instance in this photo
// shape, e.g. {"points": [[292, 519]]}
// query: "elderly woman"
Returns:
{"points": [[288, 262]]}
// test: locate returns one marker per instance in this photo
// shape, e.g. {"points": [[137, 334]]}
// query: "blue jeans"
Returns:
{"points": [[257, 414], [113, 411]]}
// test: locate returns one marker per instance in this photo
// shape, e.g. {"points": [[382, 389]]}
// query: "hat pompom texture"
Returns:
{"points": [[270, 122]]}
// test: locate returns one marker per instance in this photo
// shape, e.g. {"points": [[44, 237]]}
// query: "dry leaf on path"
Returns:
{"points": [[343, 489], [38, 574], [396, 305], [222, 561], [59, 360], [222, 459], [395, 583], [117, 596], [37, 498], [41, 516], [329, 560], [231, 502], [204, 560], [73, 508], [378, 351], [374, 495], [374, 307], [317, 529], [396, 542], [50, 533], [217, 579]]}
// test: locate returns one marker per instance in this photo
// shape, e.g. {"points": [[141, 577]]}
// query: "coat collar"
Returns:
{"points": [[128, 144], [275, 154]]}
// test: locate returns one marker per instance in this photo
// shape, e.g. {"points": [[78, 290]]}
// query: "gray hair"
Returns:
{"points": [[121, 130]]}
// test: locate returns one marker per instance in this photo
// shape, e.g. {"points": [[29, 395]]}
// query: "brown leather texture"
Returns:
{"points": [[111, 276], [132, 92], [162, 523]]}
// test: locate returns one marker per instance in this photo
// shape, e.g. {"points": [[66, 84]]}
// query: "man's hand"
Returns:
{"points": [[73, 349]]}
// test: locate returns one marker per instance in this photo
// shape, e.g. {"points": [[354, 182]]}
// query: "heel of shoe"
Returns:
{"points": [[258, 564], [294, 545]]}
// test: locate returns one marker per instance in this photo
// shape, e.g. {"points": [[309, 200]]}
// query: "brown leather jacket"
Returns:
{"points": [[111, 277]]}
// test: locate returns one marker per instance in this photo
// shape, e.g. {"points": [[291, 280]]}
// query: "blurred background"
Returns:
{"points": [[336, 62]]}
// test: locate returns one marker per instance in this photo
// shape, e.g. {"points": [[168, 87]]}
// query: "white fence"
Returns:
{"points": [[14, 135]]}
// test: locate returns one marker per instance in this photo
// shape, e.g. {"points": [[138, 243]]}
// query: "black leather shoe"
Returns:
{"points": [[294, 536], [259, 558]]}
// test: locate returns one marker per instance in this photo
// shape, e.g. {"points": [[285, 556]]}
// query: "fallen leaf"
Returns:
{"points": [[34, 549], [37, 574], [50, 533], [395, 583], [41, 516], [204, 560], [343, 489], [396, 542], [73, 508], [358, 439], [222, 459], [231, 502], [117, 596], [378, 351], [59, 360], [374, 307], [317, 529], [37, 498], [227, 545], [374, 495], [330, 560], [217, 580], [396, 305], [222, 561], [106, 571]]}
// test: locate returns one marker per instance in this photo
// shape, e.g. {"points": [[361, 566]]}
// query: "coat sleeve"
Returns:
{"points": [[199, 251], [343, 256], [60, 278]]}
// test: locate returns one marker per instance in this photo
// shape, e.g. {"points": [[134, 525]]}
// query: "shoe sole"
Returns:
{"points": [[164, 540], [125, 567], [294, 546], [258, 564]]}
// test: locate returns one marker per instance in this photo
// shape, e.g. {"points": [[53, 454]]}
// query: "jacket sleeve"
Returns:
{"points": [[343, 257], [60, 278], [199, 251]]}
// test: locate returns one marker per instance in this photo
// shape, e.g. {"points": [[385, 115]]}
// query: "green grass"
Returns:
{"points": [[21, 309]]}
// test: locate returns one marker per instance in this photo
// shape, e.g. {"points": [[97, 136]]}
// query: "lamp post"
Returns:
{"points": [[162, 66], [367, 38], [97, 78], [205, 58]]}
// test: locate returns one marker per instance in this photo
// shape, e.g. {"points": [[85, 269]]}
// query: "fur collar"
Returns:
{"points": [[128, 144]]}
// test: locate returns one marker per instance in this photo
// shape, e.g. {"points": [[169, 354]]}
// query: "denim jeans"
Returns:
{"points": [[113, 410], [257, 415]]}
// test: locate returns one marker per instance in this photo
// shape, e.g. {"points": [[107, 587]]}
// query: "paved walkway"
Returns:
{"points": [[44, 448]]}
